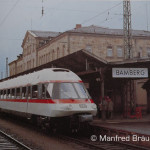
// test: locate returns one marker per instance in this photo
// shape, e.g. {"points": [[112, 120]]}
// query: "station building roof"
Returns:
{"points": [[134, 62], [44, 34], [101, 30], [83, 62]]}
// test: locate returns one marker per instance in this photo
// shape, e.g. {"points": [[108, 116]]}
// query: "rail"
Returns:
{"points": [[7, 142]]}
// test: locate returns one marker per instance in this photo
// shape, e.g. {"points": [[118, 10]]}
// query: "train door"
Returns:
{"points": [[28, 96]]}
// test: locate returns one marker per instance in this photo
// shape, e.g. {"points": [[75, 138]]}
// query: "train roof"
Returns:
{"points": [[42, 76]]}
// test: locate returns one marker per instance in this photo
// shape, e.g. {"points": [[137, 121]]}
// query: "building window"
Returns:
{"points": [[63, 51], [148, 51], [119, 52], [33, 63], [109, 52], [139, 53], [89, 48], [48, 56], [58, 53], [53, 54], [42, 60]]}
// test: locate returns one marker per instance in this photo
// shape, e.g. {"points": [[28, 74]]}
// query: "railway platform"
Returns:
{"points": [[134, 131]]}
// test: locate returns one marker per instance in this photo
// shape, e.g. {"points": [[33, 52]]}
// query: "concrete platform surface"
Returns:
{"points": [[140, 126]]}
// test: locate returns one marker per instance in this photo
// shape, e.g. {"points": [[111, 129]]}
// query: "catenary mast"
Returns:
{"points": [[128, 54], [129, 98]]}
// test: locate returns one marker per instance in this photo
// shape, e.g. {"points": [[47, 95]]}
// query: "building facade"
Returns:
{"points": [[32, 42], [41, 47]]}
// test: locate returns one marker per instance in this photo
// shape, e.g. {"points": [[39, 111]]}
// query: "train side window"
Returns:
{"points": [[40, 91], [13, 94], [43, 91], [4, 94], [8, 93], [1, 94], [23, 92], [18, 93], [28, 92], [49, 89], [34, 91]]}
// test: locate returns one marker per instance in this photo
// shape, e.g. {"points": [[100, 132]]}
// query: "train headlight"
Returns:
{"points": [[67, 107], [94, 106]]}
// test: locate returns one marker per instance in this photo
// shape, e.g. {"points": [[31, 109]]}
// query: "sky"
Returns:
{"points": [[18, 16]]}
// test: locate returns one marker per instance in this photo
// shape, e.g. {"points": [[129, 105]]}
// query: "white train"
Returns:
{"points": [[49, 94]]}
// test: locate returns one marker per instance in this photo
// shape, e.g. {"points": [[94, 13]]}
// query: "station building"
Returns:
{"points": [[91, 52]]}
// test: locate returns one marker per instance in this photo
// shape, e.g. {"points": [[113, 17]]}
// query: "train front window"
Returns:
{"points": [[81, 90], [69, 91]]}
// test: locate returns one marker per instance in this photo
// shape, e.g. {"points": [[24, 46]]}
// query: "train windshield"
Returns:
{"points": [[67, 91]]}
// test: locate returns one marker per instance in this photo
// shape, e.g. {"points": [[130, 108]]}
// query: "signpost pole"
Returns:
{"points": [[103, 111]]}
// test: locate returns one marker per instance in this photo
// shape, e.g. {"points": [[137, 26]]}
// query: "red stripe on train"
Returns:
{"points": [[46, 101], [49, 101]]}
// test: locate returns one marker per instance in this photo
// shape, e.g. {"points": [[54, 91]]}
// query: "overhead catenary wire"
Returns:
{"points": [[101, 13], [9, 12]]}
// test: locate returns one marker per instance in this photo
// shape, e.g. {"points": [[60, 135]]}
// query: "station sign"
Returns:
{"points": [[130, 72]]}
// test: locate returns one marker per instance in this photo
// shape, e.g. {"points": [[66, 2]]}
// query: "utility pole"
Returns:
{"points": [[128, 54]]}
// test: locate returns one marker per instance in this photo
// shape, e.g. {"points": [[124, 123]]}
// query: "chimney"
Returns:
{"points": [[78, 26]]}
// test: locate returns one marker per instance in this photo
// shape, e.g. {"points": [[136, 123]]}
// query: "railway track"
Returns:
{"points": [[83, 143], [9, 143], [87, 144]]}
